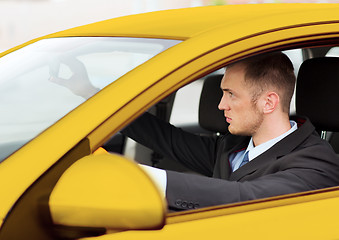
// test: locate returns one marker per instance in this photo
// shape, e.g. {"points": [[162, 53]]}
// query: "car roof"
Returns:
{"points": [[194, 21]]}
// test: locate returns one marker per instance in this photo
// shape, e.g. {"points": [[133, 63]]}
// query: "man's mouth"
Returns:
{"points": [[228, 119]]}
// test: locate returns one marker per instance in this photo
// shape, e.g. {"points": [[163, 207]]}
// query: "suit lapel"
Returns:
{"points": [[254, 165], [282, 148]]}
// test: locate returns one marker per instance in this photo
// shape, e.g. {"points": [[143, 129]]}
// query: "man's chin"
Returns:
{"points": [[232, 130], [237, 132]]}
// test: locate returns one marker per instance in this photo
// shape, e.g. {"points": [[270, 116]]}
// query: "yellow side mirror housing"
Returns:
{"points": [[107, 191]]}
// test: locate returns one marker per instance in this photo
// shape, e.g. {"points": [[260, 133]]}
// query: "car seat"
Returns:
{"points": [[317, 96], [210, 117]]}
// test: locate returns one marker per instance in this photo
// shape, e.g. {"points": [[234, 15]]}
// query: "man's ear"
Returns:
{"points": [[271, 102]]}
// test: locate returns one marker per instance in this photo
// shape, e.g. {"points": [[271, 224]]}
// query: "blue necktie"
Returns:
{"points": [[244, 160]]}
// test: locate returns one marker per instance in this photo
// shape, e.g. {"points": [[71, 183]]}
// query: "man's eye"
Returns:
{"points": [[230, 94]]}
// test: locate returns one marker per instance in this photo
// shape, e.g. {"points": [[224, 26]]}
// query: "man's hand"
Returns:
{"points": [[79, 82]]}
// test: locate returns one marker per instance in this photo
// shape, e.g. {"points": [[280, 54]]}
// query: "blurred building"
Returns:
{"points": [[22, 20]]}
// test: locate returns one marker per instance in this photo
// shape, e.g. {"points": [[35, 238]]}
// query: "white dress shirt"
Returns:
{"points": [[255, 151]]}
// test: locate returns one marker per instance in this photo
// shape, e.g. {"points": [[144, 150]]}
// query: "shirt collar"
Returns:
{"points": [[256, 151]]}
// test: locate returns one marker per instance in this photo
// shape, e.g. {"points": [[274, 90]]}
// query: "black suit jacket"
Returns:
{"points": [[299, 162]]}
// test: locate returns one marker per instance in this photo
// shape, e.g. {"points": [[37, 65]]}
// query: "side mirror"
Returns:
{"points": [[107, 191]]}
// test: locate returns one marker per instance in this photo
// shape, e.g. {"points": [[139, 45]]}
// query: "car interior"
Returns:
{"points": [[316, 70]]}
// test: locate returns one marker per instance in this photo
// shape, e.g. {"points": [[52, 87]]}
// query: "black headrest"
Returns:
{"points": [[210, 117], [317, 92]]}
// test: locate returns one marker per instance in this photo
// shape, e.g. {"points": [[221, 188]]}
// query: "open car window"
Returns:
{"points": [[182, 111], [184, 114]]}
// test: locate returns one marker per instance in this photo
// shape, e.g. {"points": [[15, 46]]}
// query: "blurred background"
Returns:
{"points": [[23, 20]]}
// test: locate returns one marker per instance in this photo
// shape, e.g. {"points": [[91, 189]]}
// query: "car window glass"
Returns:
{"points": [[186, 104], [30, 98], [296, 57], [333, 52]]}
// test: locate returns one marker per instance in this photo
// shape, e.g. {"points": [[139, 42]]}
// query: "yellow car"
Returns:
{"points": [[67, 172]]}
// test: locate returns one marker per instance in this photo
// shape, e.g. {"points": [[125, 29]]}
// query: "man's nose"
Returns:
{"points": [[223, 105]]}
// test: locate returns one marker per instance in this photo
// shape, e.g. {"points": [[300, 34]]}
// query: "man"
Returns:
{"points": [[265, 153]]}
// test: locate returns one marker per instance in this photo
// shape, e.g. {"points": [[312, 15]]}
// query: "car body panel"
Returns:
{"points": [[296, 221], [192, 21], [214, 36]]}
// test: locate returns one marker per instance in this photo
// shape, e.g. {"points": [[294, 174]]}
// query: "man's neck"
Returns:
{"points": [[271, 128]]}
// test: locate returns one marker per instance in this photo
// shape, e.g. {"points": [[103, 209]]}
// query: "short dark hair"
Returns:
{"points": [[267, 70]]}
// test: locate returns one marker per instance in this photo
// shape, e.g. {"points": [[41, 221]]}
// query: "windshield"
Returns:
{"points": [[35, 80]]}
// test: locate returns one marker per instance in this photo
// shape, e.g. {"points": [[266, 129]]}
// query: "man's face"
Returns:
{"points": [[243, 115]]}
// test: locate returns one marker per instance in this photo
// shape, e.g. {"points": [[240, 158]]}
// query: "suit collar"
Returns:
{"points": [[282, 148]]}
